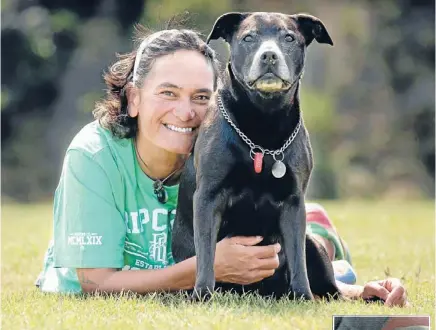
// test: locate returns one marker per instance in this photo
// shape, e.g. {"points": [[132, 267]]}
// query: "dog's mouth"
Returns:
{"points": [[269, 83]]}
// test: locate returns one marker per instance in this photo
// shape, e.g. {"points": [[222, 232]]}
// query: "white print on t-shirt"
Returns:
{"points": [[155, 223], [84, 239], [135, 221], [142, 265], [158, 247]]}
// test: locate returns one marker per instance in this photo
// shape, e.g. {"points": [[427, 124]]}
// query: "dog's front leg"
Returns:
{"points": [[293, 228], [207, 220]]}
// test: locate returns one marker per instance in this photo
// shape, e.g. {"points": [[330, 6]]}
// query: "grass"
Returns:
{"points": [[394, 238]]}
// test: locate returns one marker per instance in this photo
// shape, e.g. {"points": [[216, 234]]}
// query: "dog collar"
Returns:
{"points": [[257, 152]]}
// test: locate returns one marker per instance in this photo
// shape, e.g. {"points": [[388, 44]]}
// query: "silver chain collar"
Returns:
{"points": [[254, 147]]}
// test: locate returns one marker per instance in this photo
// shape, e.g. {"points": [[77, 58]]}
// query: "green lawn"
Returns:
{"points": [[396, 238]]}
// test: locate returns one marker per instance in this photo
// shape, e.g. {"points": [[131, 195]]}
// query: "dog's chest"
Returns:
{"points": [[255, 200], [251, 213]]}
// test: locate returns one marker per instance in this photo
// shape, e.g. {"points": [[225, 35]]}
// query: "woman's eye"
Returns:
{"points": [[168, 93], [248, 38], [202, 98], [289, 38]]}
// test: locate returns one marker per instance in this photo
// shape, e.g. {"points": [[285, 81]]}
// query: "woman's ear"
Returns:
{"points": [[133, 98]]}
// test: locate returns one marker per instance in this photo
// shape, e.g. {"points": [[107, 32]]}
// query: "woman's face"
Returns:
{"points": [[173, 100]]}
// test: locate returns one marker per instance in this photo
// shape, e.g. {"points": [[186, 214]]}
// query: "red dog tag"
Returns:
{"points": [[258, 158]]}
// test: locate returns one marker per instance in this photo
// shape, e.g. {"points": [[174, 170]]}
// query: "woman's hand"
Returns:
{"points": [[391, 290], [237, 260]]}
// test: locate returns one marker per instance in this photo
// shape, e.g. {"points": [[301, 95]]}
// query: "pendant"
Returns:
{"points": [[162, 195], [258, 159], [278, 169], [160, 192]]}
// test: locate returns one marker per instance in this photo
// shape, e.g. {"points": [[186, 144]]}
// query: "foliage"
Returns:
{"points": [[368, 101]]}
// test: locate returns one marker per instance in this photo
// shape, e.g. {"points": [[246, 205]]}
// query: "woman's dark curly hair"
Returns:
{"points": [[112, 111]]}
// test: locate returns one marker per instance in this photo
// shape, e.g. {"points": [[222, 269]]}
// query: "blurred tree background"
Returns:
{"points": [[368, 101]]}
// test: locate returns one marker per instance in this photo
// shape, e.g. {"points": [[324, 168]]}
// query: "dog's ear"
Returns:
{"points": [[226, 25], [312, 27]]}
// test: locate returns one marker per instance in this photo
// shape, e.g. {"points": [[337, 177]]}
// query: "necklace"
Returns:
{"points": [[279, 168], [158, 184]]}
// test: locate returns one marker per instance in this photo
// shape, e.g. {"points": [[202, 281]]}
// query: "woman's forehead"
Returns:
{"points": [[183, 69]]}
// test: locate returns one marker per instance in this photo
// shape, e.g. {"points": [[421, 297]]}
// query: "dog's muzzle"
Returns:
{"points": [[270, 83]]}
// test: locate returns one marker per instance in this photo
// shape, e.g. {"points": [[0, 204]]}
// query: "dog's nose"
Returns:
{"points": [[269, 57]]}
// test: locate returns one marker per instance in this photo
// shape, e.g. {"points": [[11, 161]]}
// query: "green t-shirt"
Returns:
{"points": [[105, 213]]}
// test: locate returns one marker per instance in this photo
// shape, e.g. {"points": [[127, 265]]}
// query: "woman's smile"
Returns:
{"points": [[183, 130]]}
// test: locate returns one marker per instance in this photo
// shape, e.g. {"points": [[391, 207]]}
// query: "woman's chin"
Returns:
{"points": [[176, 142], [179, 147]]}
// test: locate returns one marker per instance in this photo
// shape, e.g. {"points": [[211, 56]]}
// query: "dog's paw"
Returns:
{"points": [[302, 295], [201, 295]]}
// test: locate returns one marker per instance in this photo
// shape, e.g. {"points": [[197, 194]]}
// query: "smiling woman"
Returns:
{"points": [[116, 199]]}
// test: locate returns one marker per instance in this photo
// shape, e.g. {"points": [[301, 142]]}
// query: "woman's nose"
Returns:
{"points": [[184, 112]]}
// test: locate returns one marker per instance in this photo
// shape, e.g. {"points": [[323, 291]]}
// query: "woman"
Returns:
{"points": [[116, 199]]}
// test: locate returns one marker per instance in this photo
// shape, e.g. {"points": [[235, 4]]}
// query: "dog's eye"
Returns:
{"points": [[248, 38], [289, 38]]}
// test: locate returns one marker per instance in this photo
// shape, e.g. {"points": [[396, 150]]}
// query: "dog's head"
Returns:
{"points": [[268, 49]]}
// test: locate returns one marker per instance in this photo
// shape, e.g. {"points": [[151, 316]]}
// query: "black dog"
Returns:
{"points": [[252, 159]]}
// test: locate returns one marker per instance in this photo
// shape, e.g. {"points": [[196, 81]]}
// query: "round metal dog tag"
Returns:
{"points": [[278, 169]]}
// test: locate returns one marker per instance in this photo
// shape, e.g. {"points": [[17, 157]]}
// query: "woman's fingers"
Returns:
{"points": [[268, 263], [260, 275], [396, 297], [267, 251], [375, 289], [245, 240], [390, 290]]}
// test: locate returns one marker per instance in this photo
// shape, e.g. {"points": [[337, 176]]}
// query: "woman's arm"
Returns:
{"points": [[350, 291], [178, 277], [237, 261]]}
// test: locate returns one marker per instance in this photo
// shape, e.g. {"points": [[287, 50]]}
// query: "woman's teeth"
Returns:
{"points": [[179, 129]]}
